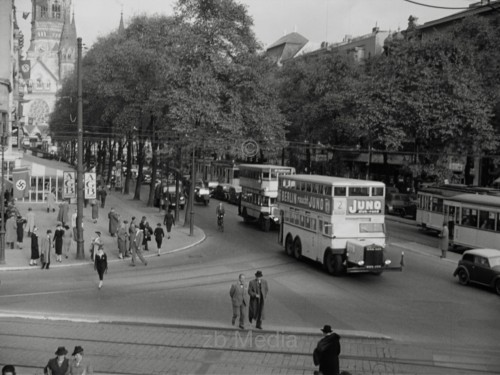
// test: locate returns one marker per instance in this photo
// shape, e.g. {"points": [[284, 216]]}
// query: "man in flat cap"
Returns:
{"points": [[257, 289]]}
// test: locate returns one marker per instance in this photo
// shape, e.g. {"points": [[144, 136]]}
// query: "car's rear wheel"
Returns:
{"points": [[497, 286], [463, 277]]}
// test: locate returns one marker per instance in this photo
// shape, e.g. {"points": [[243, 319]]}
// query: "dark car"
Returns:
{"points": [[221, 192], [234, 194], [400, 204], [480, 266]]}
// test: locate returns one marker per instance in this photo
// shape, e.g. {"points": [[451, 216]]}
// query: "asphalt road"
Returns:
{"points": [[423, 305]]}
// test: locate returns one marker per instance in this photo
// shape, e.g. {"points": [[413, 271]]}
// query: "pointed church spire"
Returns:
{"points": [[121, 28]]}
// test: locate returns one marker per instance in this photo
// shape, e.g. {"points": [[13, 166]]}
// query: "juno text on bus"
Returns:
{"points": [[259, 191], [473, 219], [337, 222]]}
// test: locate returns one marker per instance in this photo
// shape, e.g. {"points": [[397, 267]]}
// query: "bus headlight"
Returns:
{"points": [[361, 263], [387, 262]]}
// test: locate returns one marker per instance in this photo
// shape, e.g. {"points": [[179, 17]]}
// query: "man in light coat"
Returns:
{"points": [[137, 247], [238, 293]]}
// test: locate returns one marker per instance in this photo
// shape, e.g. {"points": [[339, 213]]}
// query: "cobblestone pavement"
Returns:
{"points": [[128, 348]]}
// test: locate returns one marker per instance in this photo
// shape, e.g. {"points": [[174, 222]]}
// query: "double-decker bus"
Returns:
{"points": [[338, 222], [259, 191], [225, 171]]}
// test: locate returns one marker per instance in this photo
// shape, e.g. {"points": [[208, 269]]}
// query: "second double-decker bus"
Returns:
{"points": [[338, 222], [259, 191]]}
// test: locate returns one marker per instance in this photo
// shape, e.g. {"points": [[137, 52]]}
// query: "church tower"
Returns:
{"points": [[52, 54]]}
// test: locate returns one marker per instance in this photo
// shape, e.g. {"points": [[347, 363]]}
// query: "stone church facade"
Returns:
{"points": [[52, 57]]}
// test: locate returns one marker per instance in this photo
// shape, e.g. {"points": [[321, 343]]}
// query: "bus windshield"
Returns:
{"points": [[371, 228]]}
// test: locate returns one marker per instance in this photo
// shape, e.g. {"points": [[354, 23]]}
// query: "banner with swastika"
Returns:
{"points": [[21, 180]]}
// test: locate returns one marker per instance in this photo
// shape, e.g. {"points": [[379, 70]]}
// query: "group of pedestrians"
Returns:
{"points": [[60, 365], [325, 355], [257, 289]]}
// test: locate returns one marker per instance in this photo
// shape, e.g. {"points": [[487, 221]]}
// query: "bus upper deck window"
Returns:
{"points": [[308, 187], [327, 190], [340, 191], [265, 175], [377, 191], [357, 191]]}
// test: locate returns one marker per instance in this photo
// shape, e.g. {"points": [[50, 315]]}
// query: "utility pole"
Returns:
{"points": [[2, 198], [191, 194], [80, 252]]}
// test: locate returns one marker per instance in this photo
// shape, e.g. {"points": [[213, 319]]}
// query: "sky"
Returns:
{"points": [[317, 20]]}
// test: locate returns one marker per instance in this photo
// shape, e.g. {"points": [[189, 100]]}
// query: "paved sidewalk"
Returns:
{"points": [[18, 259]]}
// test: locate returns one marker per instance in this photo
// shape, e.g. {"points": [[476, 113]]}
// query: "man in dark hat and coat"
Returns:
{"points": [[257, 289], [58, 365], [327, 352]]}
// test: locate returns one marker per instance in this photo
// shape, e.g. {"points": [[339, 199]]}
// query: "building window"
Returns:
{"points": [[56, 10], [43, 11]]}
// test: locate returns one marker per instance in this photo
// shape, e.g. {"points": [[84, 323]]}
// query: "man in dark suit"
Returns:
{"points": [[238, 293], [137, 247], [327, 352], [257, 289]]}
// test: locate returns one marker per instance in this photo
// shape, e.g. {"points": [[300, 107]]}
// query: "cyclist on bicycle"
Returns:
{"points": [[220, 215]]}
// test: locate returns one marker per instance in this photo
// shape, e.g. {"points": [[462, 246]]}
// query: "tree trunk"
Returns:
{"points": [[126, 189], [111, 147]]}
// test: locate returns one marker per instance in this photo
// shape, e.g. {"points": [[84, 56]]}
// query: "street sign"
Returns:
{"points": [[69, 185], [90, 186]]}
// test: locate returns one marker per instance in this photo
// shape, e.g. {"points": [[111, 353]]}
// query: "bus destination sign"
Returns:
{"points": [[308, 201], [365, 206]]}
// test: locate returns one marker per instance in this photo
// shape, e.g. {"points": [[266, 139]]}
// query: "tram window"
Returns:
{"points": [[437, 205], [486, 220], [469, 217], [377, 192], [359, 191], [340, 191]]}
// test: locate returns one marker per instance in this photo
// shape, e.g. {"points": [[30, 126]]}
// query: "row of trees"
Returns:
{"points": [[434, 95], [193, 81], [198, 81]]}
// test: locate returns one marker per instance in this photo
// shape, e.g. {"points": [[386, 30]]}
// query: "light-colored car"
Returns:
{"points": [[480, 266]]}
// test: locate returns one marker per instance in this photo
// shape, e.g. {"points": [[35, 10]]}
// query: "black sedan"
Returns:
{"points": [[480, 266]]}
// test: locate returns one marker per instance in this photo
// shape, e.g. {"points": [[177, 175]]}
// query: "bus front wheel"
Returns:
{"points": [[289, 245], [333, 263], [297, 249]]}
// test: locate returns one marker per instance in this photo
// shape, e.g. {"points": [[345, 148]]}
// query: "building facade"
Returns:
{"points": [[50, 58]]}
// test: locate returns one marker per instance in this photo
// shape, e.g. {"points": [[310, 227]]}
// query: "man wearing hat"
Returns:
{"points": [[122, 239], [79, 365], [257, 289], [58, 365], [326, 354]]}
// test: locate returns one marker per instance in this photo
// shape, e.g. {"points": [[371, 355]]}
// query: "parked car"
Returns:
{"points": [[234, 194], [480, 266], [221, 192], [211, 186], [400, 204], [201, 193]]}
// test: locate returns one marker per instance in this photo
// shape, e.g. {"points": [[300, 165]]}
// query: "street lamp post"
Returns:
{"points": [[80, 252], [191, 195]]}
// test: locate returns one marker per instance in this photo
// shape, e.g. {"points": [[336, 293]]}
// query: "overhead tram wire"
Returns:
{"points": [[435, 6]]}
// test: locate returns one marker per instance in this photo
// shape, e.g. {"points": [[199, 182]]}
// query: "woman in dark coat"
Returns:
{"points": [[100, 263], [169, 220], [20, 223], [35, 254], [58, 365], [58, 241]]}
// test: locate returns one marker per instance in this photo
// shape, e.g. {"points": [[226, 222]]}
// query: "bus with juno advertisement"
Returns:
{"points": [[259, 192], [338, 222]]}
